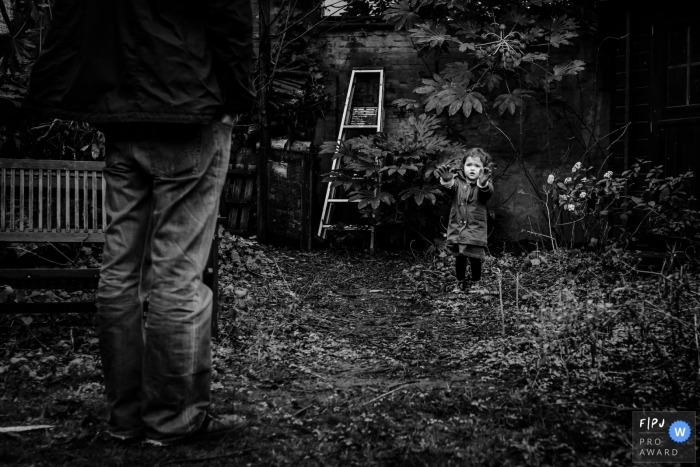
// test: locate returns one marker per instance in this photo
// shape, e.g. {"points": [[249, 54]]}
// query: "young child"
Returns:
{"points": [[466, 230]]}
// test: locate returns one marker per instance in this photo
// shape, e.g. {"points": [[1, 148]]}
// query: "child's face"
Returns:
{"points": [[473, 168]]}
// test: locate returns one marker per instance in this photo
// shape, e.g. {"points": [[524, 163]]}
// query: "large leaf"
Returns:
{"points": [[571, 68], [430, 35], [492, 80], [446, 97], [424, 126], [458, 72], [517, 16], [507, 102], [401, 16], [561, 29], [473, 101], [421, 193], [407, 103], [531, 57], [368, 197], [467, 28]]}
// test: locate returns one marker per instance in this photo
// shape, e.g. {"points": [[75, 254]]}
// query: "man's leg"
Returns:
{"points": [[189, 165], [120, 311]]}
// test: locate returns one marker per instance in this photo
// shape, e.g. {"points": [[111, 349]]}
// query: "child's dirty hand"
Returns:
{"points": [[444, 173], [485, 176]]}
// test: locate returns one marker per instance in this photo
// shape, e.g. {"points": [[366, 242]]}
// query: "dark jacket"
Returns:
{"points": [[467, 223], [176, 61]]}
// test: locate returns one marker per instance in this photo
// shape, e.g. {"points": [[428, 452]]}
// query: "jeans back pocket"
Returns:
{"points": [[176, 150]]}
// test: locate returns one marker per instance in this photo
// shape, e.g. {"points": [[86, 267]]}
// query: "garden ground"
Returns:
{"points": [[346, 358]]}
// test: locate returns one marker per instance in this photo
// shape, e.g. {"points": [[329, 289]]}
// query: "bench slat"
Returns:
{"points": [[49, 273], [76, 201], [41, 200], [12, 200], [21, 200], [104, 203], [31, 199], [94, 201], [50, 164], [85, 201], [48, 307], [67, 173], [58, 201], [61, 237], [49, 195], [3, 187]]}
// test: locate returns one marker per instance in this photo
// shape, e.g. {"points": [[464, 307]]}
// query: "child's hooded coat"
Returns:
{"points": [[467, 224]]}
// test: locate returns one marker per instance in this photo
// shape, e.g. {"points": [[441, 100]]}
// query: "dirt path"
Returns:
{"points": [[346, 375], [334, 358]]}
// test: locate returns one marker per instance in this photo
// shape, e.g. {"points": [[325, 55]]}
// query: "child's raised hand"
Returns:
{"points": [[485, 176], [444, 173]]}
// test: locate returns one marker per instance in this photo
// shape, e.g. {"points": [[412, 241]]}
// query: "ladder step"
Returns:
{"points": [[361, 126], [341, 200], [348, 227]]}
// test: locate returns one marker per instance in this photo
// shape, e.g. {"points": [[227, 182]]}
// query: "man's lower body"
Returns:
{"points": [[163, 183]]}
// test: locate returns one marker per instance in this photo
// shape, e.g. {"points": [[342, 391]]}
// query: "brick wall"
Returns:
{"points": [[380, 46]]}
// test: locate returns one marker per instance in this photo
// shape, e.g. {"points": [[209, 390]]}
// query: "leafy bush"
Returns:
{"points": [[22, 30], [582, 202], [391, 175], [511, 50]]}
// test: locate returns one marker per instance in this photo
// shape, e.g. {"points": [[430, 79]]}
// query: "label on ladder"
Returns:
{"points": [[363, 114]]}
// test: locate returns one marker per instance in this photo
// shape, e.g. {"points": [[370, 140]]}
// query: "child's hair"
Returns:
{"points": [[478, 153]]}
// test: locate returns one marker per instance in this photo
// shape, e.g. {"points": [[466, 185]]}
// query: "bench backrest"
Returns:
{"points": [[51, 201]]}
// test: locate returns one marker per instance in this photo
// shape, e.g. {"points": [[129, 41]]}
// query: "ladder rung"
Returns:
{"points": [[361, 126], [340, 200]]}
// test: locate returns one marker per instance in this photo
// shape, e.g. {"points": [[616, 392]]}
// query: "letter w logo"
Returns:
{"points": [[680, 431]]}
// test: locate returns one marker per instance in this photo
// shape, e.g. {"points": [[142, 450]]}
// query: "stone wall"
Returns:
{"points": [[378, 45]]}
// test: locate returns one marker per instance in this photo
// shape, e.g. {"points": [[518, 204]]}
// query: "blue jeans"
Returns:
{"points": [[162, 199]]}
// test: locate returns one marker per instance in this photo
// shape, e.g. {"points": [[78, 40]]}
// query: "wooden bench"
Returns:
{"points": [[60, 202]]}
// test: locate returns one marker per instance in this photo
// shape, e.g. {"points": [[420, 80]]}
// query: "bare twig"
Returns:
{"points": [[500, 295], [697, 345], [207, 459], [41, 257], [301, 411], [61, 253], [390, 392]]}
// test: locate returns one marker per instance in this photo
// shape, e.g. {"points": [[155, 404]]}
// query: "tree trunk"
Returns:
{"points": [[263, 93]]}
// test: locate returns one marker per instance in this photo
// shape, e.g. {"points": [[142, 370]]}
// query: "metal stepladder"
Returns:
{"points": [[363, 114]]}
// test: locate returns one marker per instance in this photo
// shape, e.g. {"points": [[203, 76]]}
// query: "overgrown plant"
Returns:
{"points": [[507, 68], [23, 27], [391, 175], [582, 208], [598, 324]]}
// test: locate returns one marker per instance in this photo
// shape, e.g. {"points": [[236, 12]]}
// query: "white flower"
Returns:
{"points": [[583, 194], [563, 197], [608, 174], [550, 179], [576, 167], [568, 180], [571, 207], [584, 180]]}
